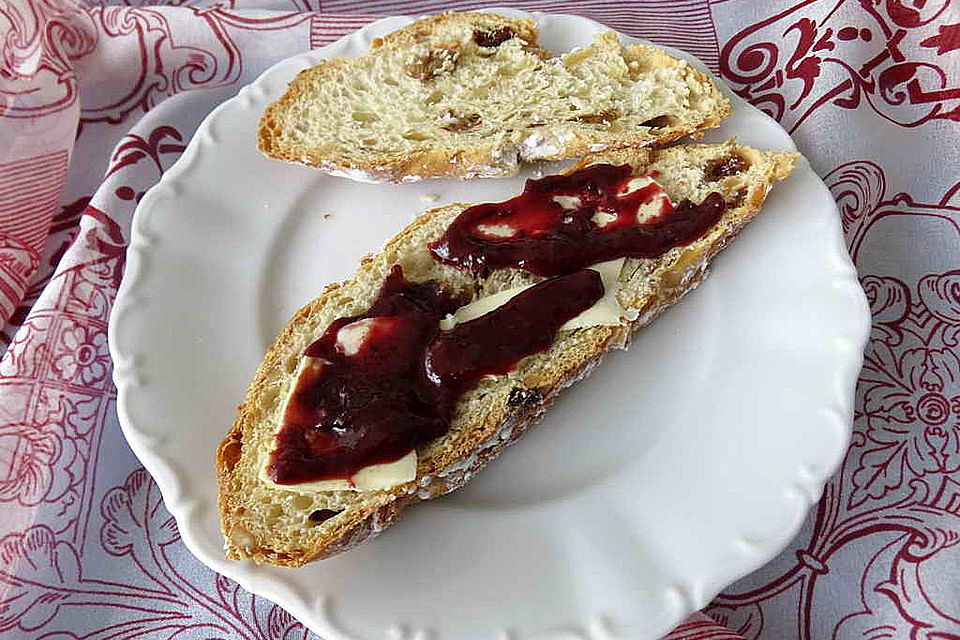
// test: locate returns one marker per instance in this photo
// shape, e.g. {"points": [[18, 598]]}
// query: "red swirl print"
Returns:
{"points": [[940, 295], [42, 580], [918, 388], [47, 39], [17, 263], [133, 148], [30, 605], [889, 300], [28, 463], [900, 474], [80, 356], [888, 55], [56, 378], [893, 599], [29, 188], [162, 65], [45, 458], [747, 620], [63, 230], [860, 188]]}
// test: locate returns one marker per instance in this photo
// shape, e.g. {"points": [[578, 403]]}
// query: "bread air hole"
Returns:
{"points": [[659, 122], [231, 454], [685, 263], [416, 136], [270, 394], [637, 69], [273, 514], [301, 503], [243, 539], [320, 516]]}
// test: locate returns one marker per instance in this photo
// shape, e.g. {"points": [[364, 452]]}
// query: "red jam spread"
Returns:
{"points": [[567, 222], [380, 384]]}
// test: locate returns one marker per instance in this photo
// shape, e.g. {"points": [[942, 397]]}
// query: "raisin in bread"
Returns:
{"points": [[472, 94]]}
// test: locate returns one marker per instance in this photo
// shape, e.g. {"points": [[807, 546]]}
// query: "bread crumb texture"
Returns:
{"points": [[472, 94], [270, 524]]}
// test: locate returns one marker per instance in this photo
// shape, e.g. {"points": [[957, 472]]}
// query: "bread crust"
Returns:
{"points": [[560, 140], [657, 285]]}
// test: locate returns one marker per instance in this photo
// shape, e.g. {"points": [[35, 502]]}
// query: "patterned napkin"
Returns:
{"points": [[96, 101]]}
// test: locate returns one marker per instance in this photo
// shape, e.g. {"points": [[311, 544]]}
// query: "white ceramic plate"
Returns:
{"points": [[678, 467]]}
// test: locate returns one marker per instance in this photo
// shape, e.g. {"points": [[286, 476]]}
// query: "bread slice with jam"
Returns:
{"points": [[473, 94], [281, 506]]}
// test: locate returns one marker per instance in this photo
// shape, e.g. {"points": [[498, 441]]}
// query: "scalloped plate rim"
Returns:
{"points": [[188, 511]]}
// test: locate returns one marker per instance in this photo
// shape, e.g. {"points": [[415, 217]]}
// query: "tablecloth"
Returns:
{"points": [[97, 99]]}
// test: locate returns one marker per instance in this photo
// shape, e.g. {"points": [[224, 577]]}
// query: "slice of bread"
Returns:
{"points": [[472, 94], [281, 526]]}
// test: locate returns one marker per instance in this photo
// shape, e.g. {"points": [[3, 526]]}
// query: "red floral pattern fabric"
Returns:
{"points": [[97, 99]]}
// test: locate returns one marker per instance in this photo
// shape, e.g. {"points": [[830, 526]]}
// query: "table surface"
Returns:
{"points": [[96, 101]]}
